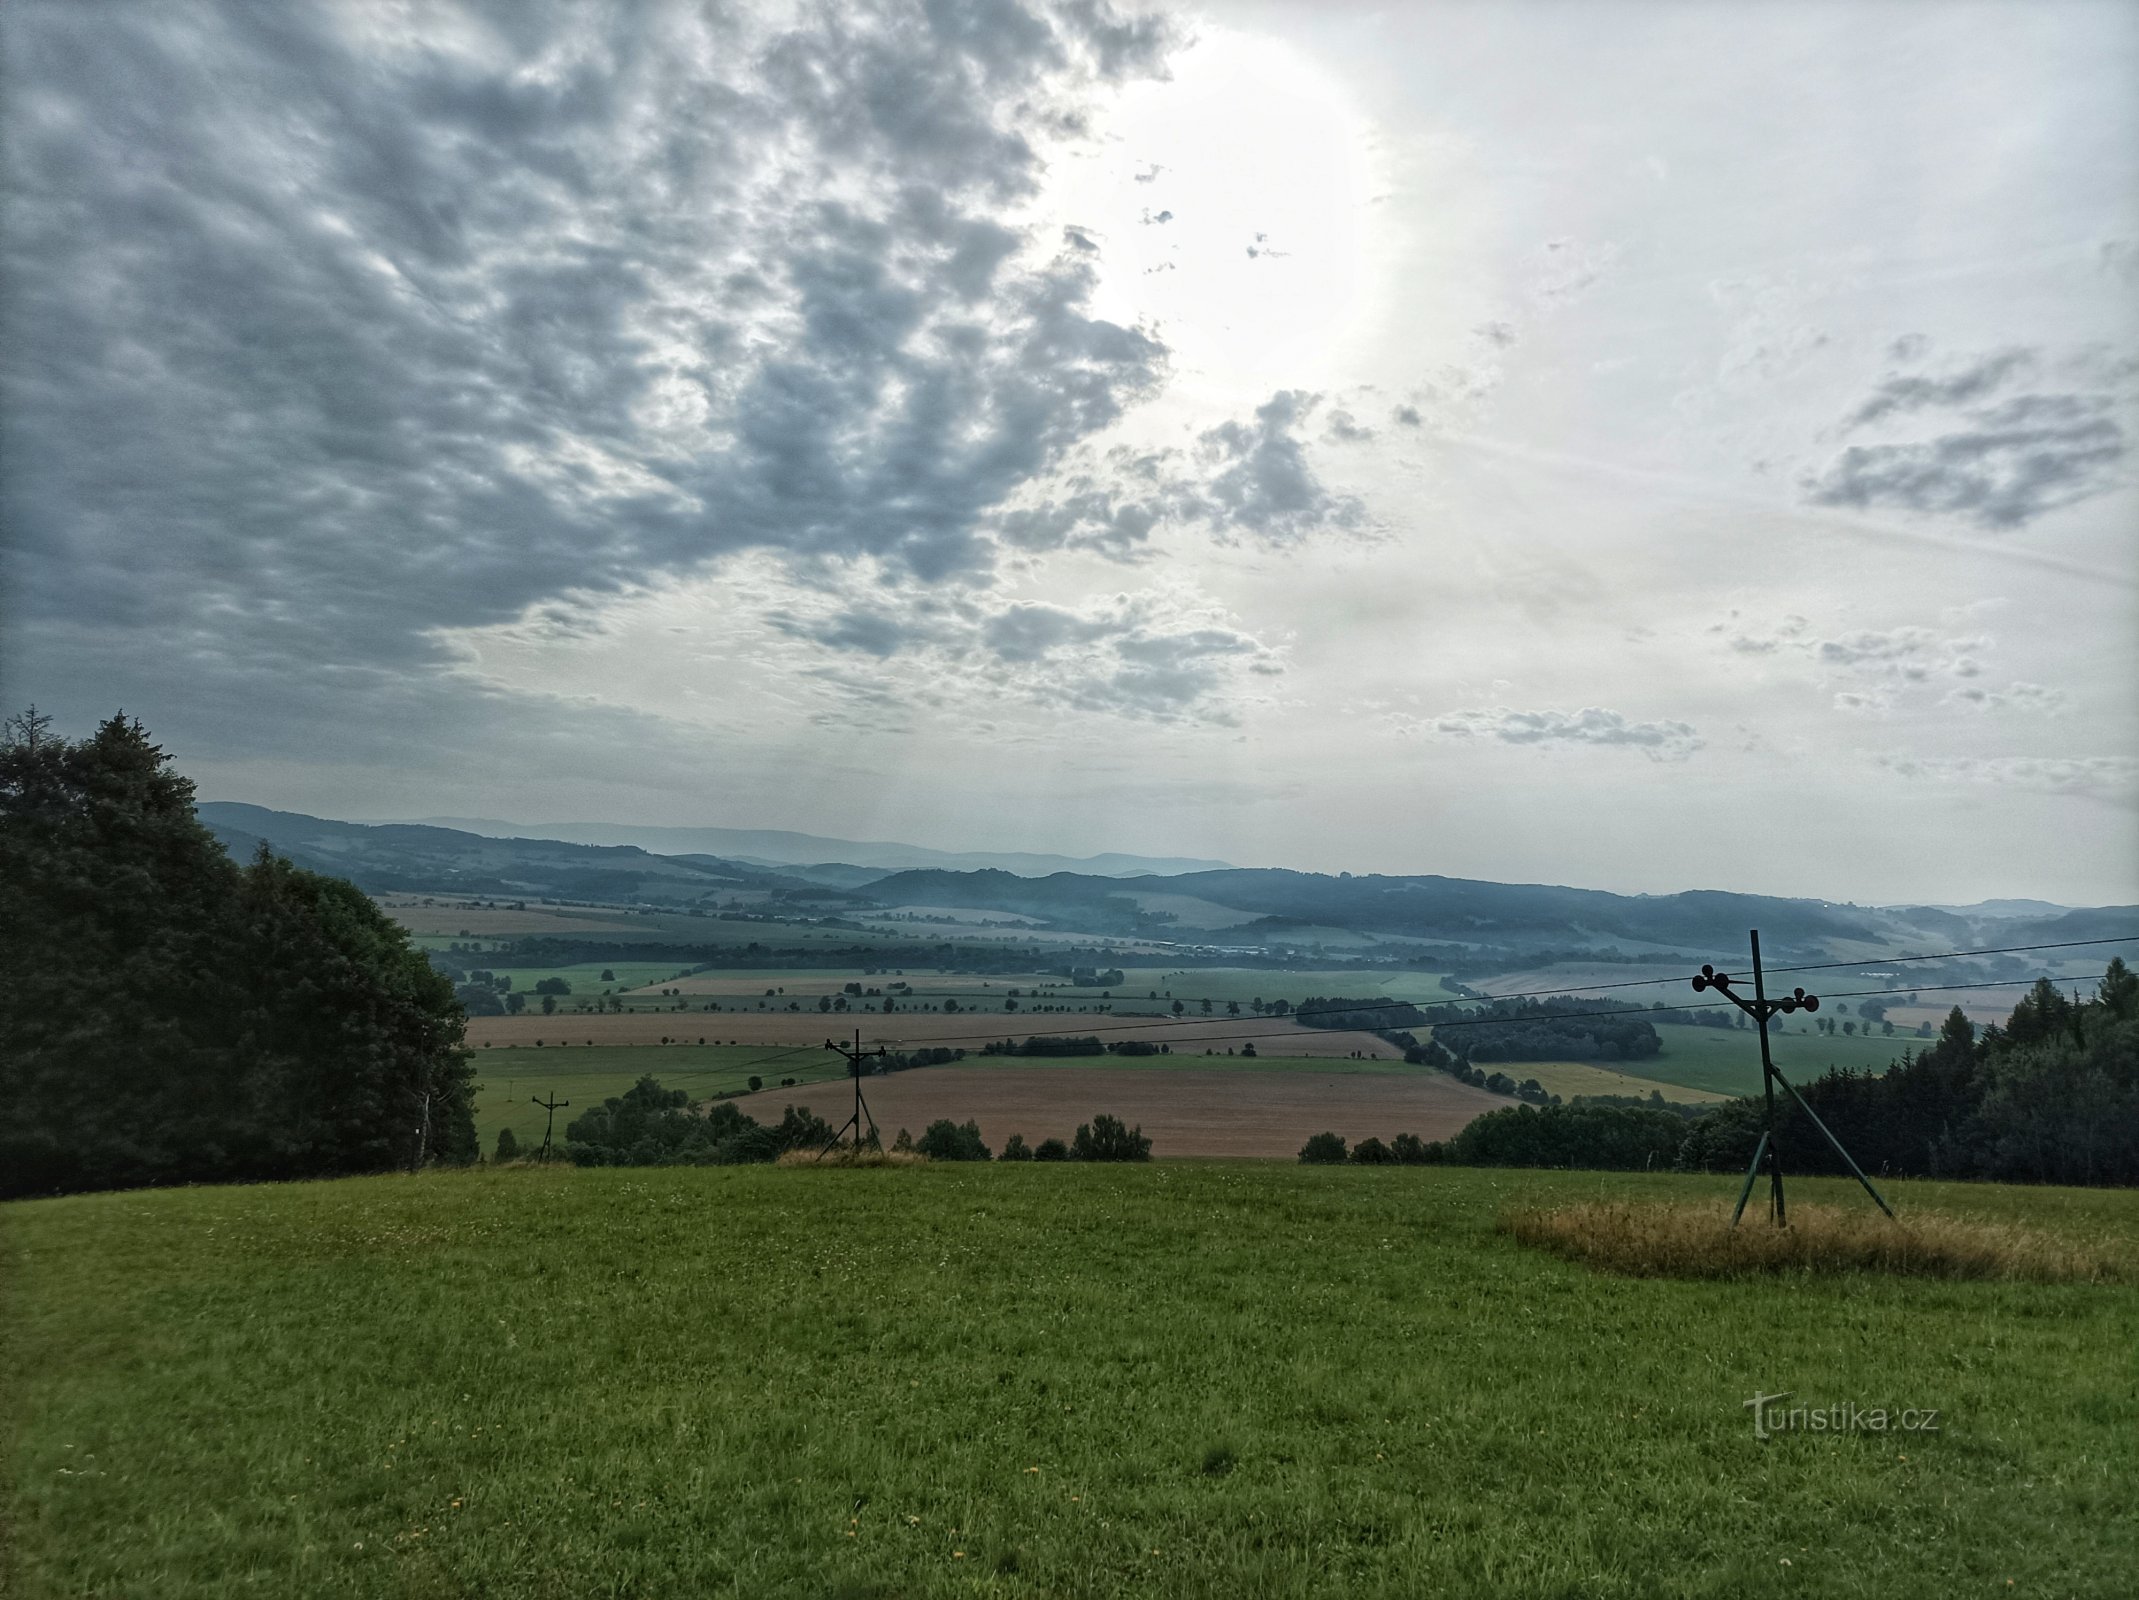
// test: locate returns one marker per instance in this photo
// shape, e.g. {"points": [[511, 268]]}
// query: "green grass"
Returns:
{"points": [[1184, 1379], [587, 1075], [1728, 1060]]}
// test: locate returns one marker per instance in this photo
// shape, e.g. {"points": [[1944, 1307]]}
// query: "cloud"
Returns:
{"points": [[1263, 483], [1247, 478], [1660, 741], [1165, 654], [2113, 778], [1405, 416], [2015, 696], [1908, 392], [328, 335], [1344, 428], [1878, 665], [1998, 462]]}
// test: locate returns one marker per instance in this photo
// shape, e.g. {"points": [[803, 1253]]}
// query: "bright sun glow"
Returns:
{"points": [[1231, 208]]}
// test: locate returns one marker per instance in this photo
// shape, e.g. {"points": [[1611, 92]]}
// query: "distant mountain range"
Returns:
{"points": [[1264, 908], [776, 847]]}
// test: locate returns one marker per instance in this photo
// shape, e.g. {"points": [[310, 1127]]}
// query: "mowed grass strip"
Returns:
{"points": [[1028, 1380], [1699, 1241]]}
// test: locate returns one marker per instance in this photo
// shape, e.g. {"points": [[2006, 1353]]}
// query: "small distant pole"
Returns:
{"points": [[1760, 1008], [553, 1105], [854, 1059]]}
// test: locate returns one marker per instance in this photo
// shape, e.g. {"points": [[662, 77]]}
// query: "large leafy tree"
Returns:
{"points": [[168, 1016]]}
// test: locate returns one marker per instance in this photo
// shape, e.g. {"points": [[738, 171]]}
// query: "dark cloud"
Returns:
{"points": [[1998, 460], [1407, 416], [1262, 483], [1247, 478], [1996, 477], [1905, 392], [325, 336]]}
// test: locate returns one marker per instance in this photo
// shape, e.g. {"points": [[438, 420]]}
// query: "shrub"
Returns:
{"points": [[1015, 1149], [1105, 1139], [945, 1140], [1323, 1148], [1051, 1150]]}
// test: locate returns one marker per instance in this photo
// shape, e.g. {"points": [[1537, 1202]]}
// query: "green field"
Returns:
{"points": [[1178, 1379], [1727, 1061], [587, 1075]]}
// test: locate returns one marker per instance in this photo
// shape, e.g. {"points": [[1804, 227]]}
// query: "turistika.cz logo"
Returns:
{"points": [[1772, 1415]]}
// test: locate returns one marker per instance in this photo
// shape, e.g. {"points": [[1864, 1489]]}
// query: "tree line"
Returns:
{"points": [[173, 1017], [2050, 1096]]}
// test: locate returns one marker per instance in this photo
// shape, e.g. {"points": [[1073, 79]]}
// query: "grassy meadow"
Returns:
{"points": [[1184, 1378]]}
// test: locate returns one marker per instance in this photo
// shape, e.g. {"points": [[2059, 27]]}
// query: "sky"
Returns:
{"points": [[1640, 446]]}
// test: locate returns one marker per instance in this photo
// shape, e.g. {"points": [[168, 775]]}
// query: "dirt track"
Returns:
{"points": [[1184, 1111], [901, 1030]]}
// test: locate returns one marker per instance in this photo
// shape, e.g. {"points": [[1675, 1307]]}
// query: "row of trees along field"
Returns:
{"points": [[649, 1126], [173, 1017]]}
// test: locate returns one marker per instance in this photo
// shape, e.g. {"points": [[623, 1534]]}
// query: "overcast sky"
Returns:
{"points": [[1643, 446]]}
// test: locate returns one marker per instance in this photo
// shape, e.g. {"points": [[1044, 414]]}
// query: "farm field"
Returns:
{"points": [[1196, 1110], [510, 1079], [1727, 1060], [906, 1029], [1570, 1078], [1195, 1379]]}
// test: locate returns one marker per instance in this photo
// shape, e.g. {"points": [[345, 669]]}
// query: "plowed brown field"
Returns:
{"points": [[1185, 1112]]}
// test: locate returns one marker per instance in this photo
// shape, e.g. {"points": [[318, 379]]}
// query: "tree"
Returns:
{"points": [[1105, 1139], [945, 1140], [549, 1005], [253, 1022], [1371, 1152], [508, 1146], [1323, 1149], [1015, 1149], [1051, 1150], [756, 1083], [608, 974], [553, 986]]}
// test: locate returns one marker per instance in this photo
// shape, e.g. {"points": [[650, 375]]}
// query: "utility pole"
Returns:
{"points": [[854, 1059], [553, 1105], [1760, 1008]]}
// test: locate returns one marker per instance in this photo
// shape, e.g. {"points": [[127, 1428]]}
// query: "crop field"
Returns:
{"points": [[1727, 1061], [1195, 1109], [512, 1079], [1188, 1379], [1570, 1078]]}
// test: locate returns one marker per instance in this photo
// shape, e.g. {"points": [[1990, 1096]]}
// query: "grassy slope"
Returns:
{"points": [[757, 1382]]}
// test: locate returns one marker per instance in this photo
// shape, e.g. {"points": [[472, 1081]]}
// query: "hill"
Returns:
{"points": [[387, 857], [1193, 1379], [775, 847]]}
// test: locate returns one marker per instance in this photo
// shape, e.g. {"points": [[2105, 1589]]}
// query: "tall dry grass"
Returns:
{"points": [[1661, 1239], [847, 1156]]}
